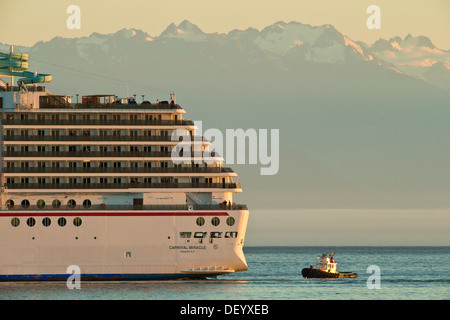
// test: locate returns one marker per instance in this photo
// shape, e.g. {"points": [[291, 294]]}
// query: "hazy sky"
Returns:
{"points": [[25, 22]]}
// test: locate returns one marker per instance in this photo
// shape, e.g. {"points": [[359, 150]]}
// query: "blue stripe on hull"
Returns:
{"points": [[103, 277]]}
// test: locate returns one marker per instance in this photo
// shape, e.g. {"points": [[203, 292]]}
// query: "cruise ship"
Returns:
{"points": [[93, 184]]}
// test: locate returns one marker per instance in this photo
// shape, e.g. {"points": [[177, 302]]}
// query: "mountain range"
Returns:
{"points": [[361, 126]]}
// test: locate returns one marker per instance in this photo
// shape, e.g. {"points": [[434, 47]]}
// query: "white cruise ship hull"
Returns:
{"points": [[121, 245]]}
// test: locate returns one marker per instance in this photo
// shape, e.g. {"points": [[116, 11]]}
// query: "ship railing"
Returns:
{"points": [[111, 207], [82, 170], [155, 106], [98, 154], [126, 185], [17, 89], [87, 154], [81, 137], [95, 122]]}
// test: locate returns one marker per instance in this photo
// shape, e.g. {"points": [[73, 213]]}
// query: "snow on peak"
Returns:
{"points": [[411, 52], [319, 44], [186, 31]]}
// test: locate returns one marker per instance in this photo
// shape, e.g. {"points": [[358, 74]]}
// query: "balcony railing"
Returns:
{"points": [[127, 185], [47, 122], [108, 207], [124, 138], [87, 154], [155, 106], [51, 170]]}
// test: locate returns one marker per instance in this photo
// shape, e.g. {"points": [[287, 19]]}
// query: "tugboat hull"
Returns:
{"points": [[315, 273]]}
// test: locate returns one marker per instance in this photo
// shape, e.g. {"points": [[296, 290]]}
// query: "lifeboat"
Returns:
{"points": [[326, 268]]}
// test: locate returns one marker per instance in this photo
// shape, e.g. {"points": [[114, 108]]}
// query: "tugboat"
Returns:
{"points": [[326, 268]]}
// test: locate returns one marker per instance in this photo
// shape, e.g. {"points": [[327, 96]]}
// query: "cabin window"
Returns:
{"points": [[25, 203], [216, 235], [15, 222], [215, 221], [87, 204], [185, 234], [200, 235], [200, 221], [230, 221], [62, 222], [10, 204], [71, 203], [31, 222], [77, 221], [41, 204], [56, 204], [46, 222], [231, 234]]}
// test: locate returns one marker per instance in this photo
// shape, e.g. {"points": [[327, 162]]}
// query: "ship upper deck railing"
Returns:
{"points": [[17, 89], [125, 185], [155, 106], [95, 122], [99, 154], [112, 207], [81, 137], [81, 170]]}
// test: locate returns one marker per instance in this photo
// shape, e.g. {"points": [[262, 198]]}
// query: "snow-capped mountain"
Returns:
{"points": [[283, 44], [416, 56], [185, 31]]}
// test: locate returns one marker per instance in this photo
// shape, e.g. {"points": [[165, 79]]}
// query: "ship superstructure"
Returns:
{"points": [[92, 183]]}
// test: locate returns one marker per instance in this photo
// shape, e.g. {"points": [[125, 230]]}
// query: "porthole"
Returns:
{"points": [[56, 204], [215, 221], [25, 204], [62, 222], [31, 222], [77, 221], [200, 221], [15, 222], [41, 204], [230, 221], [87, 204], [71, 203], [9, 204], [46, 221]]}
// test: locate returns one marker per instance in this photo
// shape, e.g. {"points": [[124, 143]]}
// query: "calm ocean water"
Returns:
{"points": [[407, 273]]}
